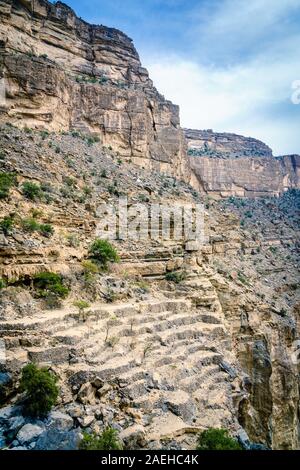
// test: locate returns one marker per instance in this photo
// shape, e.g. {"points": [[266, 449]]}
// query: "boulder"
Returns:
{"points": [[97, 383], [8, 412], [59, 420], [103, 390], [181, 404], [86, 394], [134, 436], [86, 421], [29, 433], [13, 427], [54, 439]]}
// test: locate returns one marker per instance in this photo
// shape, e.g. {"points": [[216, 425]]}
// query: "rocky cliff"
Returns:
{"points": [[62, 73], [176, 337], [224, 145], [246, 176], [232, 165]]}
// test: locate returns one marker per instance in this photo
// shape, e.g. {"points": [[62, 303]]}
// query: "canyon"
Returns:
{"points": [[176, 337]]}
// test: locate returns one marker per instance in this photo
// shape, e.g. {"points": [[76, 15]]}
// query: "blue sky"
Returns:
{"points": [[229, 64]]}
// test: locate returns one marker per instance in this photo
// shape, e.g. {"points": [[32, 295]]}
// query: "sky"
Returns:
{"points": [[231, 65]]}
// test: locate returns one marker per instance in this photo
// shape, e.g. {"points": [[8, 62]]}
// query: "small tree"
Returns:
{"points": [[103, 252], [108, 440], [40, 389], [6, 224], [50, 282], [7, 180], [217, 439], [31, 190], [81, 305]]}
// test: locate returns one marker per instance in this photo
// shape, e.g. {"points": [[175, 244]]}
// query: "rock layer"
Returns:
{"points": [[224, 144], [246, 176], [232, 165]]}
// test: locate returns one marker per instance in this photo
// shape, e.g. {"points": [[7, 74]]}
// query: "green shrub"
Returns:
{"points": [[92, 140], [242, 278], [7, 180], [31, 190], [113, 190], [87, 190], [2, 283], [176, 277], [44, 134], [36, 213], [48, 282], [75, 134], [46, 229], [109, 296], [81, 305], [30, 225], [103, 252], [40, 389], [6, 224], [89, 267], [217, 439], [72, 240], [108, 440], [71, 182]]}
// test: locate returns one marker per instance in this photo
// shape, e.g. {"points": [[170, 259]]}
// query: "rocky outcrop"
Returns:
{"points": [[62, 73], [232, 165], [246, 176], [224, 144]]}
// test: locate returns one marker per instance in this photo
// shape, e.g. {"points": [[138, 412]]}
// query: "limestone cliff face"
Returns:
{"points": [[233, 165], [247, 176], [62, 73], [224, 145]]}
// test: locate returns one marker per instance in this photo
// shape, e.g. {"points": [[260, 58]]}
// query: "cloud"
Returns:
{"points": [[250, 93], [252, 99]]}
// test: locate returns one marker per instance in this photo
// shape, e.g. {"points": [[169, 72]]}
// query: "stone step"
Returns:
{"points": [[194, 382], [87, 330], [200, 329], [142, 334], [199, 361]]}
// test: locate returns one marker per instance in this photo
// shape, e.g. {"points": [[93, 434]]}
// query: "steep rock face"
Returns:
{"points": [[232, 165], [247, 176], [224, 145], [62, 73]]}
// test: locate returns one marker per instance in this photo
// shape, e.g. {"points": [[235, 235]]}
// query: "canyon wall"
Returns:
{"points": [[224, 145], [63, 74], [232, 165]]}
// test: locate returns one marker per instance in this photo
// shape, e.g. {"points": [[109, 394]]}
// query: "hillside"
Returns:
{"points": [[155, 334]]}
